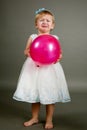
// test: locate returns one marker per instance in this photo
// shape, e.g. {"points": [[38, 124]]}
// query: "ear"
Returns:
{"points": [[36, 26], [53, 26]]}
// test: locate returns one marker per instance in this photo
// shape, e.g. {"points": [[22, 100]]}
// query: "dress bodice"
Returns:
{"points": [[33, 36]]}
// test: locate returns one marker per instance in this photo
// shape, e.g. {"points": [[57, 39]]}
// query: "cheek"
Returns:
{"points": [[37, 25], [52, 26]]}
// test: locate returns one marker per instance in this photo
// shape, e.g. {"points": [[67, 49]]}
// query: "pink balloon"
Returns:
{"points": [[45, 49]]}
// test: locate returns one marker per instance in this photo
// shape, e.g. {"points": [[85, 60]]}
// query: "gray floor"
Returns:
{"points": [[69, 116]]}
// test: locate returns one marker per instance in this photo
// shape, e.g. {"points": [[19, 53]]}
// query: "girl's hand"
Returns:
{"points": [[27, 49], [59, 58], [26, 52]]}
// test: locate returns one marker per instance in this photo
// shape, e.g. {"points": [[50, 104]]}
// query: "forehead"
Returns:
{"points": [[45, 16]]}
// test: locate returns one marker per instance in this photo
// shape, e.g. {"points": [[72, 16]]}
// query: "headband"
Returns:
{"points": [[39, 10]]}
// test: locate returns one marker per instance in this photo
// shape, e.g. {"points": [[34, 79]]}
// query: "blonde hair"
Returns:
{"points": [[42, 13]]}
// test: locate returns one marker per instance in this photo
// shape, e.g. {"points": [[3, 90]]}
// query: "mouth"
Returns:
{"points": [[44, 26]]}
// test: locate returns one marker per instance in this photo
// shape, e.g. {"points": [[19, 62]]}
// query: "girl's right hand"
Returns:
{"points": [[26, 52], [27, 48]]}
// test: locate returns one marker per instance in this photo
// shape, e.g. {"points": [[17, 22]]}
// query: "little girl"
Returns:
{"points": [[41, 85]]}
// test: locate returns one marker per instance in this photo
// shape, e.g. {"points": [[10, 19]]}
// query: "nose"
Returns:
{"points": [[44, 22]]}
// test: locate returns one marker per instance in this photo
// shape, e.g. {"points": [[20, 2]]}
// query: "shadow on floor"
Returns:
{"points": [[67, 116]]}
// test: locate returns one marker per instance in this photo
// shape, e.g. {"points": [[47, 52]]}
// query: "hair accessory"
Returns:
{"points": [[39, 10]]}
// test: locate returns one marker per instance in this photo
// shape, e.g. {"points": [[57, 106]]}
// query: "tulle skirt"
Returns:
{"points": [[45, 84]]}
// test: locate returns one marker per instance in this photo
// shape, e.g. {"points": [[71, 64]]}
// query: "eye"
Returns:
{"points": [[41, 20], [48, 20]]}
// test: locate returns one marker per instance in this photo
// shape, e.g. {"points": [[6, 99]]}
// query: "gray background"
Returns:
{"points": [[17, 23]]}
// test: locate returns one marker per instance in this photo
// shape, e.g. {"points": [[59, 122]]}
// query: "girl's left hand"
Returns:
{"points": [[59, 58]]}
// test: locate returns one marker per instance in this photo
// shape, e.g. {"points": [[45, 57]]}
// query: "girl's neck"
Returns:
{"points": [[42, 33]]}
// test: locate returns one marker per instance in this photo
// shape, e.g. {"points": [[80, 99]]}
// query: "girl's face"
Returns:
{"points": [[45, 24]]}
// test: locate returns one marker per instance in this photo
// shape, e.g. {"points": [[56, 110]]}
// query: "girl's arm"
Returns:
{"points": [[60, 57], [26, 51]]}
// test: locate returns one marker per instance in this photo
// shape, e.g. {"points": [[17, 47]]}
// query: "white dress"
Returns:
{"points": [[45, 84]]}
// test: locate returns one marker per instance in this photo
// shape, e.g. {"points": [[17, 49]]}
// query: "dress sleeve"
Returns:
{"points": [[56, 37], [33, 36]]}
